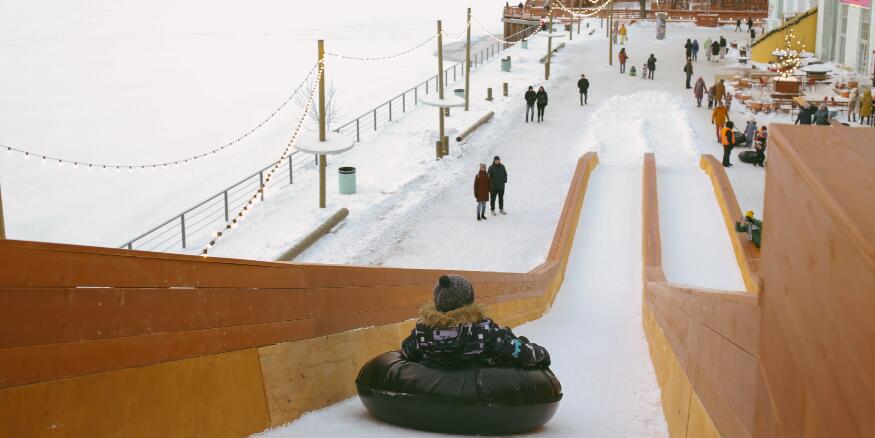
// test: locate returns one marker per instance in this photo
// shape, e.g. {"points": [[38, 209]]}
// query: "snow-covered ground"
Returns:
{"points": [[593, 332], [124, 82]]}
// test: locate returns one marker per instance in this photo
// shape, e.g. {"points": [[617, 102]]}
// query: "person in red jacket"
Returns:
{"points": [[481, 192], [623, 57]]}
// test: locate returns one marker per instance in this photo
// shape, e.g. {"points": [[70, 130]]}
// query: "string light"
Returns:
{"points": [[459, 35], [593, 10], [255, 198], [164, 165], [383, 58], [791, 59]]}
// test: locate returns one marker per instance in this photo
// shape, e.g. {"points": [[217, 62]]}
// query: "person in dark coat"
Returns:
{"points": [[651, 66], [623, 57], [749, 24], [695, 50], [482, 186], [821, 117], [531, 97], [583, 87], [805, 116], [753, 34], [761, 143], [715, 50], [723, 48], [453, 330], [542, 103], [699, 91], [497, 180], [738, 25], [688, 48], [688, 69]]}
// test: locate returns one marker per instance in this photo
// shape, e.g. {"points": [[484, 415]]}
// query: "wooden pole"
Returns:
{"points": [[322, 158], [611, 35], [549, 44], [468, 62], [440, 80], [2, 221]]}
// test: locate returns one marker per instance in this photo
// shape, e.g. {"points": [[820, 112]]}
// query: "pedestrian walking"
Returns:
{"points": [[866, 106], [728, 140], [720, 90], [715, 50], [750, 132], [738, 25], [723, 48], [531, 97], [853, 104], [711, 92], [806, 115], [481, 191], [688, 69], [688, 49], [719, 117], [542, 103], [707, 48], [695, 50], [497, 180], [761, 142], [583, 87], [753, 34], [750, 24], [821, 117], [699, 91], [651, 66], [623, 35], [623, 57]]}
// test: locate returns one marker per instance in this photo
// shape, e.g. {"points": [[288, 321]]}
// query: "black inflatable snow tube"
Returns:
{"points": [[748, 156], [470, 399]]}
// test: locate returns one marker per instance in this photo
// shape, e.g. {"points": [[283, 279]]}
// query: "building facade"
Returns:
{"points": [[844, 34]]}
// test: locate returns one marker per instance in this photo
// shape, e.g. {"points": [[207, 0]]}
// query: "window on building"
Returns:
{"points": [[843, 29], [863, 54]]}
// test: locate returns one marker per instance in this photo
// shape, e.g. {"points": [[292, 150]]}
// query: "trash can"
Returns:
{"points": [[525, 44], [346, 178], [459, 92], [505, 64]]}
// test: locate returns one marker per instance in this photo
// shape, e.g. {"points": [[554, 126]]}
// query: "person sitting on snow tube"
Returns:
{"points": [[460, 372]]}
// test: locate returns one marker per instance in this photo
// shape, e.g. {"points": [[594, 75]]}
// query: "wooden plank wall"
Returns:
{"points": [[109, 342], [817, 370]]}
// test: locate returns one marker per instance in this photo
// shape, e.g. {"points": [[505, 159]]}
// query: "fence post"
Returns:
{"points": [[375, 119], [131, 245], [426, 86], [404, 102], [454, 72], [226, 205], [416, 95], [390, 110], [261, 183], [291, 173], [358, 137], [182, 224]]}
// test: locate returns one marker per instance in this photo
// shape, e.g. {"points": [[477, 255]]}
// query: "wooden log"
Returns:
{"points": [[476, 125], [315, 235]]}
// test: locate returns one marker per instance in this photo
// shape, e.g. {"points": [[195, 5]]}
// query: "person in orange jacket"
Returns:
{"points": [[728, 139], [719, 117]]}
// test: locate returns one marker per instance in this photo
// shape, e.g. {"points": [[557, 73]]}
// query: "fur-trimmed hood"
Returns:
{"points": [[470, 314]]}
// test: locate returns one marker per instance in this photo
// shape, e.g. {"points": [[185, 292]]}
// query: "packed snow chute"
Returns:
{"points": [[461, 399]]}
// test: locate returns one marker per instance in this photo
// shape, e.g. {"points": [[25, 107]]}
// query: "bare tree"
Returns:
{"points": [[332, 109]]}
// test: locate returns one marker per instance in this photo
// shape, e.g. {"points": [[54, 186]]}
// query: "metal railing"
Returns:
{"points": [[194, 226]]}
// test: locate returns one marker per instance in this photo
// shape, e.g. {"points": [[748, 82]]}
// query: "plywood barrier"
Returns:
{"points": [[817, 370], [174, 345], [746, 253], [704, 343]]}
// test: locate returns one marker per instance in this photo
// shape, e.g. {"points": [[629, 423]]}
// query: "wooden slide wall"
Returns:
{"points": [[104, 342]]}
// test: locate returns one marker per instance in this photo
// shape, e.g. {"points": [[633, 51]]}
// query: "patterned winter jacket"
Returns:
{"points": [[465, 335]]}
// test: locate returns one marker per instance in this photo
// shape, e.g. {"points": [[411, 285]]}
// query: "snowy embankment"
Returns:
{"points": [[120, 82]]}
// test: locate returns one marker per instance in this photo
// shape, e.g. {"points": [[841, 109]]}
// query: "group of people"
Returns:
{"points": [[750, 28], [860, 103], [533, 99], [489, 187], [727, 136], [647, 69], [715, 50]]}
